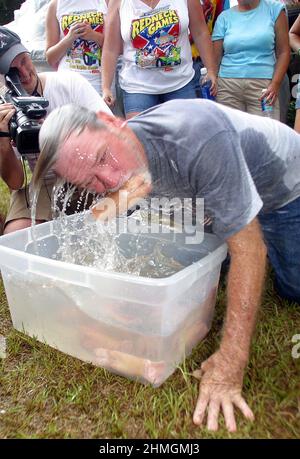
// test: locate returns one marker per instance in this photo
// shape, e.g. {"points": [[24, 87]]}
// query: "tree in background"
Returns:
{"points": [[7, 8]]}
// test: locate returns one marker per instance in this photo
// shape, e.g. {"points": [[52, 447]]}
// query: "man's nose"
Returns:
{"points": [[109, 176], [23, 72]]}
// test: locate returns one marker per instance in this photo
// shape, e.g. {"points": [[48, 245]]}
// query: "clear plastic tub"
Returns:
{"points": [[138, 327]]}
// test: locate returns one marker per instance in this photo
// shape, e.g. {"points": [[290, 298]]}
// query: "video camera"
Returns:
{"points": [[23, 127]]}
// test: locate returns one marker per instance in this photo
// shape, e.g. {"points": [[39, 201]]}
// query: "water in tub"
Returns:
{"points": [[117, 336]]}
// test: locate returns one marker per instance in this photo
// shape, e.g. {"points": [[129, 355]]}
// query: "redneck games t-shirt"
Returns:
{"points": [[83, 56], [156, 56]]}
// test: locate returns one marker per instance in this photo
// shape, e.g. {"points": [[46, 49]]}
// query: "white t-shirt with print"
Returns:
{"points": [[84, 56], [156, 55]]}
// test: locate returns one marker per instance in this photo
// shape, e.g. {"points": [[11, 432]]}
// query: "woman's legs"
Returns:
{"points": [[186, 92], [135, 103], [231, 93]]}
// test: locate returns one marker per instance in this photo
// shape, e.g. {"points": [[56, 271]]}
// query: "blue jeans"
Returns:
{"points": [[138, 102], [281, 229]]}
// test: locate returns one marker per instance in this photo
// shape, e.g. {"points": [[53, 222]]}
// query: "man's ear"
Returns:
{"points": [[110, 119]]}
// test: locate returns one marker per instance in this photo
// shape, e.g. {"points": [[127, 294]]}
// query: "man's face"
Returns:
{"points": [[27, 72], [97, 160]]}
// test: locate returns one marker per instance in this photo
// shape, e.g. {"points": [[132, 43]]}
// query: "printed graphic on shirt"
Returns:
{"points": [[155, 36], [84, 54]]}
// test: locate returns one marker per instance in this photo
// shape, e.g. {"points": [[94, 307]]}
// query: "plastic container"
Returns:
{"points": [[266, 108], [138, 327], [205, 85]]}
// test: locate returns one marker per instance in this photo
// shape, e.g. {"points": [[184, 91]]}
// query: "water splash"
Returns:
{"points": [[86, 242]]}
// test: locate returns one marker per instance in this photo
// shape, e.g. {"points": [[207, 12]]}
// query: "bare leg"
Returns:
{"points": [[20, 223]]}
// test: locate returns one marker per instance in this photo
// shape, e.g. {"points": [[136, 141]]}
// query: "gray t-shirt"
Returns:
{"points": [[240, 164]]}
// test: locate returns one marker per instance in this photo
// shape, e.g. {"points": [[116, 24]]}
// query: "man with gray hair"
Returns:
{"points": [[247, 169], [59, 88]]}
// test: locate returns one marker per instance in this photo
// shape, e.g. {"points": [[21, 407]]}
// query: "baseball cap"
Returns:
{"points": [[10, 47]]}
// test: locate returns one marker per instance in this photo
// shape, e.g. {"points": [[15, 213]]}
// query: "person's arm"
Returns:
{"points": [[56, 48], [282, 50], [11, 169], [202, 40], [297, 121], [222, 374], [112, 48], [218, 52], [294, 36]]}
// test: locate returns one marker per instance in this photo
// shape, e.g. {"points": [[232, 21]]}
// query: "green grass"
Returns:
{"points": [[47, 394]]}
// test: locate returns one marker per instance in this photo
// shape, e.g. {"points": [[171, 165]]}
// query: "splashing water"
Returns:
{"points": [[84, 241]]}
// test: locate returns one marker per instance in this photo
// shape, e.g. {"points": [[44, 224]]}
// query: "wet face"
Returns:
{"points": [[27, 72], [97, 160]]}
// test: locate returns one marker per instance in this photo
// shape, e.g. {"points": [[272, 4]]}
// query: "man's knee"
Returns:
{"points": [[287, 291]]}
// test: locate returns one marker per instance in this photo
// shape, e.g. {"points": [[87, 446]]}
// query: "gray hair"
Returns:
{"points": [[55, 130]]}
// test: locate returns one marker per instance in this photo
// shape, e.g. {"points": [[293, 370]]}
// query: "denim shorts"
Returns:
{"points": [[138, 102]]}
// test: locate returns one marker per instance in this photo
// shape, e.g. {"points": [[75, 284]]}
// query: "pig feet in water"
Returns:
{"points": [[131, 365]]}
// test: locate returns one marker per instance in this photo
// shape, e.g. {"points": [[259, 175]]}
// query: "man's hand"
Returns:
{"points": [[222, 374], [11, 169], [118, 202], [220, 389]]}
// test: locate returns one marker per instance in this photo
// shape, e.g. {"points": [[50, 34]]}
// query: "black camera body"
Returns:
{"points": [[24, 126]]}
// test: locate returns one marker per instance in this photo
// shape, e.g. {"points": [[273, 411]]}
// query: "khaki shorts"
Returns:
{"points": [[243, 94], [20, 204]]}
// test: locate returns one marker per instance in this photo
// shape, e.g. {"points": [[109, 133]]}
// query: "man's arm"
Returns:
{"points": [[11, 169], [222, 374]]}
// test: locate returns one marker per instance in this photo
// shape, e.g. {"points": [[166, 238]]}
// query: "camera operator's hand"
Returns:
{"points": [[6, 112], [11, 169]]}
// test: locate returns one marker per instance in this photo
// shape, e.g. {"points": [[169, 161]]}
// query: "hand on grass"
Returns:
{"points": [[220, 389]]}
